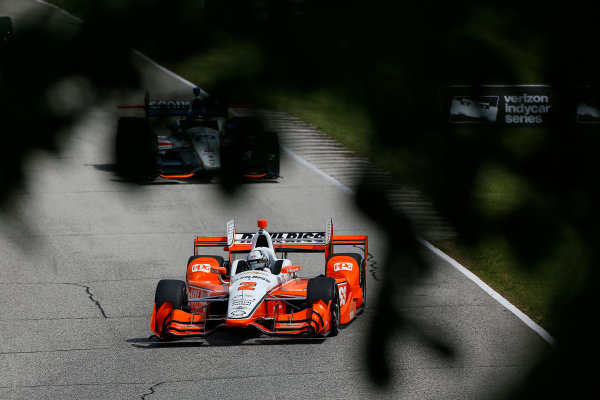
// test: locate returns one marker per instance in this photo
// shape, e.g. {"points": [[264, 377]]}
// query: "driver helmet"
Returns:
{"points": [[258, 259]]}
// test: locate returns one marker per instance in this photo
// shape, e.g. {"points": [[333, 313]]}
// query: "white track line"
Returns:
{"points": [[317, 170], [495, 295], [60, 10], [170, 73], [165, 70]]}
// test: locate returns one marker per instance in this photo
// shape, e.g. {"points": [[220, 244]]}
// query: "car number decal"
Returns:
{"points": [[342, 290], [247, 286]]}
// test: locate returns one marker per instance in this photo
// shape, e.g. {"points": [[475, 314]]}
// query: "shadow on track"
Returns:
{"points": [[196, 180], [237, 337]]}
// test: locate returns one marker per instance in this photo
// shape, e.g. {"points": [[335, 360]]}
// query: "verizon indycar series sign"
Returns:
{"points": [[518, 105]]}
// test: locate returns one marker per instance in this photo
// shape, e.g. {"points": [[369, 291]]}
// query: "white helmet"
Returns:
{"points": [[258, 259]]}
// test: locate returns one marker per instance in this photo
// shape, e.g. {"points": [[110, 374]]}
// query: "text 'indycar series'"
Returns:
{"points": [[263, 291], [203, 141]]}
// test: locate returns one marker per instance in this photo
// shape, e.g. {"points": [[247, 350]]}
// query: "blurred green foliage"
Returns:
{"points": [[529, 192]]}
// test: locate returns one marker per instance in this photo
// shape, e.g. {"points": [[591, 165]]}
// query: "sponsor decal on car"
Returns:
{"points": [[342, 291], [240, 301], [201, 268], [241, 304], [238, 312], [247, 286], [260, 277], [283, 237], [342, 266], [293, 269], [169, 104], [165, 145]]}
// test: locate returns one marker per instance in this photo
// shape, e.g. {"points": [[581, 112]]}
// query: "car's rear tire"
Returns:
{"points": [[247, 134], [272, 154], [325, 288], [363, 285], [136, 149]]}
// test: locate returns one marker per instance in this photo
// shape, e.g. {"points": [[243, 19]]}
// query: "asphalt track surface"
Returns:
{"points": [[82, 251]]}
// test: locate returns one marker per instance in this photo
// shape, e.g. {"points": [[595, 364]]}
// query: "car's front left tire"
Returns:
{"points": [[325, 288]]}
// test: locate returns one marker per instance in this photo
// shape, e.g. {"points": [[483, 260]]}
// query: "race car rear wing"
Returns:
{"points": [[287, 242], [174, 108], [162, 108]]}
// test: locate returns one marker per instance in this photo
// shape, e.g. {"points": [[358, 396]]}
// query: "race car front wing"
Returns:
{"points": [[174, 322]]}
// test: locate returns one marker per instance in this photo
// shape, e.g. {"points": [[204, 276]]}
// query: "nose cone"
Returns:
{"points": [[246, 293], [237, 323]]}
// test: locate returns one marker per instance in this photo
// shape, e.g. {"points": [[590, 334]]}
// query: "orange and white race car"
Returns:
{"points": [[254, 288]]}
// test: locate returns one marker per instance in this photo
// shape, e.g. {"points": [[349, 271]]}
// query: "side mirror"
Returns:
{"points": [[218, 270], [289, 269]]}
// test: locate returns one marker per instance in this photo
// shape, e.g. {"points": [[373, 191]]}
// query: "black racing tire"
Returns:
{"points": [[136, 149], [248, 134], [326, 289], [272, 150], [6, 30], [239, 135], [172, 290], [363, 285]]}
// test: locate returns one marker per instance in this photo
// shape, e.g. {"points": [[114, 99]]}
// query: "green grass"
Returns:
{"points": [[534, 287], [238, 59], [535, 291], [342, 120], [228, 58]]}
